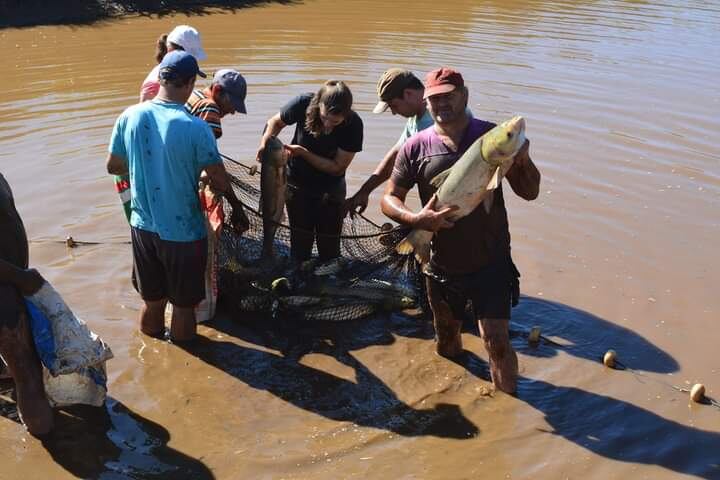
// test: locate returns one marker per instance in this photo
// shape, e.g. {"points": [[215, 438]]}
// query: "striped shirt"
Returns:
{"points": [[201, 105]]}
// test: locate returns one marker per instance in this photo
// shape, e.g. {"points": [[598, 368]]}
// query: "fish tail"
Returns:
{"points": [[417, 241]]}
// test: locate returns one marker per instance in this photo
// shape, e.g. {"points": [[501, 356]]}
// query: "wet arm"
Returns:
{"points": [[393, 204], [116, 165]]}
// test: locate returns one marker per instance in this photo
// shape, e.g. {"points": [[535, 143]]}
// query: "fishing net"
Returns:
{"points": [[370, 276]]}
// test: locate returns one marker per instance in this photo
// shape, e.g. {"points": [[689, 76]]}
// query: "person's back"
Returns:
{"points": [[166, 149]]}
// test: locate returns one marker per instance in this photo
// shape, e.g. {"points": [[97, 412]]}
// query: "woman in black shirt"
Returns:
{"points": [[328, 133]]}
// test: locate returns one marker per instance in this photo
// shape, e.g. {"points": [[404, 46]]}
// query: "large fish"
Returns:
{"points": [[273, 185], [467, 183]]}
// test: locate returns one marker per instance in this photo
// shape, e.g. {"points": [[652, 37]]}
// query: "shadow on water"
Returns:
{"points": [[585, 336], [29, 13], [366, 402], [113, 442], [606, 426], [616, 429]]}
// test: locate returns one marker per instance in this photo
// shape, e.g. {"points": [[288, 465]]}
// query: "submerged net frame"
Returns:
{"points": [[370, 276]]}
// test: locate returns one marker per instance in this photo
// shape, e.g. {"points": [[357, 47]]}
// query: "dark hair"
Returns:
{"points": [[337, 99], [415, 84], [175, 82], [161, 47]]}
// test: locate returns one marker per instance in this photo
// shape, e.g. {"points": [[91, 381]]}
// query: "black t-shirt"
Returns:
{"points": [[347, 136]]}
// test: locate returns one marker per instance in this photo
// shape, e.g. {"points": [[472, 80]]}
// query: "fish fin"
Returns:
{"points": [[495, 180], [440, 178], [405, 247], [417, 241]]}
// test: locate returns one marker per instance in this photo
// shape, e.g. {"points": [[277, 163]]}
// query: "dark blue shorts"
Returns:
{"points": [[163, 269]]}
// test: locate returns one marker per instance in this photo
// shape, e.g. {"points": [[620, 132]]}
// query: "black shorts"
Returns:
{"points": [[493, 292], [163, 269]]}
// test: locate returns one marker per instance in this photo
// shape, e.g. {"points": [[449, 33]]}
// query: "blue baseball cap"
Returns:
{"points": [[179, 64], [234, 84]]}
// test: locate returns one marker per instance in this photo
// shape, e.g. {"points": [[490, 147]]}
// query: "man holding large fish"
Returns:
{"points": [[458, 166]]}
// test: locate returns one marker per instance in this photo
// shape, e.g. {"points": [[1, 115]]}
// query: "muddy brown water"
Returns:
{"points": [[619, 251]]}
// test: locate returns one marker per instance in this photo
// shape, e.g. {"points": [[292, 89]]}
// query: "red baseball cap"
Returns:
{"points": [[442, 80]]}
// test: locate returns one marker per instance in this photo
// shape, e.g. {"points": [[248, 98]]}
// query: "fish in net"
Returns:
{"points": [[370, 276]]}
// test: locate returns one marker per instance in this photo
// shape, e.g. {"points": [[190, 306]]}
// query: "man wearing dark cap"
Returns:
{"points": [[470, 258], [225, 96], [401, 92], [164, 149]]}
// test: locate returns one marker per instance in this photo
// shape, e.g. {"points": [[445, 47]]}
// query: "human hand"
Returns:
{"points": [[522, 157], [29, 281], [261, 149], [296, 150], [430, 219], [357, 203]]}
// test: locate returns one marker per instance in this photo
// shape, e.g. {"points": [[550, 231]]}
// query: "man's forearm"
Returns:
{"points": [[382, 172], [394, 208]]}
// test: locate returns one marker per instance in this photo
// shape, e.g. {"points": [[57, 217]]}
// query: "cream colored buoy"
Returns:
{"points": [[610, 358], [534, 336], [697, 392], [70, 242]]}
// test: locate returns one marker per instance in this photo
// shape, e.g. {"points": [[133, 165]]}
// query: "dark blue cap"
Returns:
{"points": [[179, 64]]}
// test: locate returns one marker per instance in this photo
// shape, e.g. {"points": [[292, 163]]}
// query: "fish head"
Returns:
{"points": [[504, 141], [274, 153]]}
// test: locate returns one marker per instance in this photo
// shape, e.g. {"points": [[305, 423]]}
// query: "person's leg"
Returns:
{"points": [[18, 352], [503, 359], [152, 318], [492, 310], [185, 264], [447, 326], [184, 326], [300, 210], [329, 224], [149, 281]]}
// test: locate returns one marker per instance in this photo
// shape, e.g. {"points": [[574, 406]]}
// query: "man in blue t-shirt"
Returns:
{"points": [[164, 149]]}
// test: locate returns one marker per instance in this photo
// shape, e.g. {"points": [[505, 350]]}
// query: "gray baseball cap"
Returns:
{"points": [[234, 84]]}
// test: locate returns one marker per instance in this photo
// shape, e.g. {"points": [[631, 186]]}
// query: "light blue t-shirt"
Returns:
{"points": [[166, 148], [415, 125]]}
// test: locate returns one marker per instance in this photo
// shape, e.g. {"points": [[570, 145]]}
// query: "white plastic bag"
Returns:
{"points": [[73, 356]]}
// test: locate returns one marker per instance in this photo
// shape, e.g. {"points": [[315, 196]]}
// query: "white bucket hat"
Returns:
{"points": [[189, 39]]}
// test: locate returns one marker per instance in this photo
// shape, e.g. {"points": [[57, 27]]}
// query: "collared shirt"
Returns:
{"points": [[475, 240], [166, 149], [202, 105]]}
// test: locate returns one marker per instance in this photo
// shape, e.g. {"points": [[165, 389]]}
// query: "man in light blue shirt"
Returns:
{"points": [[164, 149]]}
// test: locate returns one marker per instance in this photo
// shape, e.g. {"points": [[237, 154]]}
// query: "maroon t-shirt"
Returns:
{"points": [[476, 240]]}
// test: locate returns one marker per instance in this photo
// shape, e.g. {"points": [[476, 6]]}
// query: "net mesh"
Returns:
{"points": [[370, 276]]}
